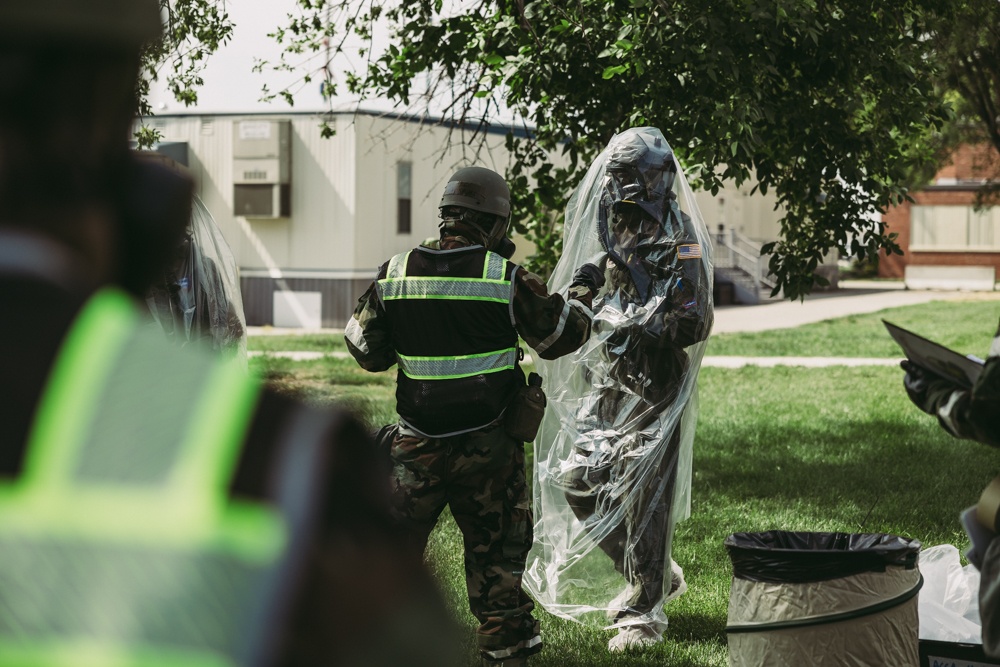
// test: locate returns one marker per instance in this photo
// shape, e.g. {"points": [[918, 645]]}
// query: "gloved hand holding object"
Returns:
{"points": [[916, 382], [590, 276]]}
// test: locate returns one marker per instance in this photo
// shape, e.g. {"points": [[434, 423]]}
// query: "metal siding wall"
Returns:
{"points": [[384, 141], [339, 297], [319, 235]]}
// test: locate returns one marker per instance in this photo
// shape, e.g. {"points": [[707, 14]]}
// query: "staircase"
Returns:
{"points": [[740, 272]]}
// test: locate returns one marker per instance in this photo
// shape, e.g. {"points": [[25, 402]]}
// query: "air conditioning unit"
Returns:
{"points": [[262, 200], [262, 168]]}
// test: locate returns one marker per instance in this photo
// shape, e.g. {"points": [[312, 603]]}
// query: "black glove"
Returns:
{"points": [[590, 276], [917, 383]]}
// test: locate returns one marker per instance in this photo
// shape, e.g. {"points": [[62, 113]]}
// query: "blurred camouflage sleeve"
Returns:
{"points": [[368, 336], [972, 414], [551, 325]]}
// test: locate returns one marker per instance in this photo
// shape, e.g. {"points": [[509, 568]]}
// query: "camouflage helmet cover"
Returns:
{"points": [[113, 24]]}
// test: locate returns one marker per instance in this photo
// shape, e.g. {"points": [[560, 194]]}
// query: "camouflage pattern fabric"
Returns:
{"points": [[481, 477], [970, 414]]}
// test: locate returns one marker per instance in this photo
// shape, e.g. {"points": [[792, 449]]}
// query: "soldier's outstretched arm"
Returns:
{"points": [[550, 324]]}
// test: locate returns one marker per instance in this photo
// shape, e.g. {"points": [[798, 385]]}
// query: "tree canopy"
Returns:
{"points": [[825, 102], [833, 105], [967, 48]]}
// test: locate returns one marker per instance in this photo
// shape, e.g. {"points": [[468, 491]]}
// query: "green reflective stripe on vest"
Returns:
{"points": [[397, 266], [494, 266], [464, 289], [65, 412], [450, 368], [148, 563], [85, 653], [491, 287]]}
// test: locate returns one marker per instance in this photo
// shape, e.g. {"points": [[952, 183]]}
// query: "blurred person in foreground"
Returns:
{"points": [[156, 506], [971, 414], [449, 314]]}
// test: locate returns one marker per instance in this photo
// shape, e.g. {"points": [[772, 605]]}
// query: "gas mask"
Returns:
{"points": [[639, 217]]}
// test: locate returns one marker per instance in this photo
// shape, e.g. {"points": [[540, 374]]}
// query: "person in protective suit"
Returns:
{"points": [[156, 505], [972, 414], [192, 302], [449, 314], [655, 307]]}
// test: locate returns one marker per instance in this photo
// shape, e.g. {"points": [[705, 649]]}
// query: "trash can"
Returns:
{"points": [[800, 598]]}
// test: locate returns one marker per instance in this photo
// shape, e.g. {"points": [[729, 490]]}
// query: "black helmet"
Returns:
{"points": [[125, 24], [482, 190]]}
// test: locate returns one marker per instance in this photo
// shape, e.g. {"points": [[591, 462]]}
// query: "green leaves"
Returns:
{"points": [[613, 71], [799, 98]]}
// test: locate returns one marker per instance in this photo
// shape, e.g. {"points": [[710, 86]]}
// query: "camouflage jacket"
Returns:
{"points": [[550, 324], [972, 414]]}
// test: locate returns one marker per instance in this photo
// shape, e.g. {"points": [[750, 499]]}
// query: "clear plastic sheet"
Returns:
{"points": [[198, 301], [613, 455]]}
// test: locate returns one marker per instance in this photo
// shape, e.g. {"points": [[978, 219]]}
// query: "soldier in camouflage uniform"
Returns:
{"points": [[449, 314], [972, 414]]}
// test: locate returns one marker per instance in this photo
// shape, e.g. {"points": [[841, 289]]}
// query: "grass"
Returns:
{"points": [[833, 449], [965, 326], [303, 343]]}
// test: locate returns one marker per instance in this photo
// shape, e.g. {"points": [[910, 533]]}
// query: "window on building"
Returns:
{"points": [[404, 202], [954, 228]]}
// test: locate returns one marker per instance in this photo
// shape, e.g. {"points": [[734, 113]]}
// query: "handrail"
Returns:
{"points": [[736, 251]]}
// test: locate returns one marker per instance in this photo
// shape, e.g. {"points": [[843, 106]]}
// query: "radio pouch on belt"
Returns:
{"points": [[525, 411]]}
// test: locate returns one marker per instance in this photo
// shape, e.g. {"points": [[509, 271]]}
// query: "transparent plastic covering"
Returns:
{"points": [[613, 454], [198, 301]]}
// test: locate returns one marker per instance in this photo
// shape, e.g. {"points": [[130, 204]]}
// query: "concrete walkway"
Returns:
{"points": [[853, 297]]}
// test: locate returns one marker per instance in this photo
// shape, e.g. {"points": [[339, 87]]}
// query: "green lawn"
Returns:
{"points": [[966, 326], [834, 449], [293, 343]]}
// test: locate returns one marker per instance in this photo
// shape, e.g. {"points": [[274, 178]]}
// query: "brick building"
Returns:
{"points": [[946, 243]]}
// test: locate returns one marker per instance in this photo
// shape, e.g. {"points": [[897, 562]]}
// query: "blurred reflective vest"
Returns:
{"points": [[453, 332], [119, 543]]}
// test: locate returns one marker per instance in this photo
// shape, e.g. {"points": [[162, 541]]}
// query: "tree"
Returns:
{"points": [[967, 47], [828, 102], [193, 30]]}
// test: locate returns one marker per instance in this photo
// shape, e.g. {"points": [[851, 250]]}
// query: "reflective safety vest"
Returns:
{"points": [[453, 331], [119, 542]]}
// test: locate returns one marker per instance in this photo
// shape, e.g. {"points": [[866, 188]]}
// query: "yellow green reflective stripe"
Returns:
{"points": [[397, 266], [68, 404], [193, 508], [463, 289], [83, 653], [451, 368], [212, 442], [494, 266], [106, 537]]}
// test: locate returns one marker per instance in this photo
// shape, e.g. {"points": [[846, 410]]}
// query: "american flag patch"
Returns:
{"points": [[689, 251]]}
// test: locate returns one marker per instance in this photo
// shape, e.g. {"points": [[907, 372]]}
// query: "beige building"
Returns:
{"points": [[310, 218]]}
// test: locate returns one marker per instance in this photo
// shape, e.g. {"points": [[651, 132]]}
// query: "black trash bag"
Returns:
{"points": [[778, 556]]}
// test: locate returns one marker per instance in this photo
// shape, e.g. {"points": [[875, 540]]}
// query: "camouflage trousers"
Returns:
{"points": [[480, 476]]}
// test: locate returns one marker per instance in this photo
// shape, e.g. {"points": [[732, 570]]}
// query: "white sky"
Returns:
{"points": [[230, 85]]}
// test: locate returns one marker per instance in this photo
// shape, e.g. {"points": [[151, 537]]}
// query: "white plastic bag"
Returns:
{"points": [[949, 599]]}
